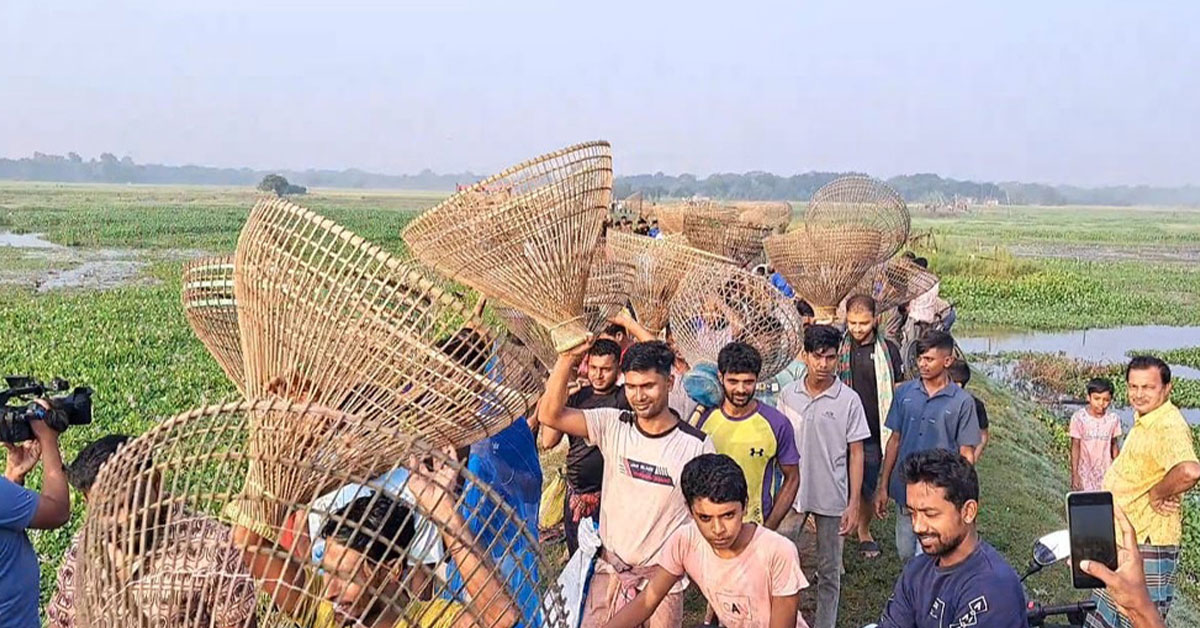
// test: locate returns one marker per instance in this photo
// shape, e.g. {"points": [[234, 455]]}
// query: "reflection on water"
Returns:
{"points": [[1092, 345]]}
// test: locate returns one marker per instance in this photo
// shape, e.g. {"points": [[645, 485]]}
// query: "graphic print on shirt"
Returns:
{"points": [[647, 472], [760, 452], [977, 607], [736, 609]]}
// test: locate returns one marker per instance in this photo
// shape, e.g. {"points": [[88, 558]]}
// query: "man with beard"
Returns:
{"points": [[870, 364], [758, 437], [931, 412], [585, 465], [829, 421], [959, 580], [645, 451]]}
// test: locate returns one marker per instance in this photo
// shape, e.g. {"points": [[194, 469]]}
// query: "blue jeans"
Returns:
{"points": [[907, 545]]}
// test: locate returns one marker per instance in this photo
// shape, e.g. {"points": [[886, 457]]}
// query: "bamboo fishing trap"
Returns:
{"points": [[531, 247], [371, 525]]}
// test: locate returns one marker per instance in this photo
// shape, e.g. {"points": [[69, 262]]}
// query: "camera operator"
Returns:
{"points": [[22, 509]]}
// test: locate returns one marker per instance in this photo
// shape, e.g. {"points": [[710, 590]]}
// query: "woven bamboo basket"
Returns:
{"points": [[330, 318], [609, 282], [211, 311], [859, 203], [735, 239], [178, 536], [532, 335], [823, 264], [726, 304], [895, 282], [776, 214], [532, 248], [659, 267]]}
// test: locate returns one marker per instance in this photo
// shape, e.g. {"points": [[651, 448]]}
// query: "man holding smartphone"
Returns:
{"points": [[1155, 468]]}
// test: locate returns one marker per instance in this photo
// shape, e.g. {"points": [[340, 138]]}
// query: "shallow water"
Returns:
{"points": [[26, 241], [1093, 345]]}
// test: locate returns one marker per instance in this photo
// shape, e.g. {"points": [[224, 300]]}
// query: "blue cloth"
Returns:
{"points": [[703, 385], [944, 421], [779, 282], [983, 591], [19, 576], [508, 463], [654, 232]]}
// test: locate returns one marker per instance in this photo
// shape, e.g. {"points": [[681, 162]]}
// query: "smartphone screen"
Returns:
{"points": [[1093, 534]]}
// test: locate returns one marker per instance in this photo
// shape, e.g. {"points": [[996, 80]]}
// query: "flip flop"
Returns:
{"points": [[870, 550]]}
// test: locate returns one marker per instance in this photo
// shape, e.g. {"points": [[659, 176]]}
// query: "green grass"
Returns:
{"points": [[1118, 226], [1065, 376], [1186, 356], [187, 217], [992, 289]]}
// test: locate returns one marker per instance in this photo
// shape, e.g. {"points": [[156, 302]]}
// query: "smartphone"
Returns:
{"points": [[1093, 534]]}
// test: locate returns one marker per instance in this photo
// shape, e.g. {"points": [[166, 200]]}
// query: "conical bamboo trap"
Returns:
{"points": [[608, 292], [860, 204], [670, 216], [895, 282], [775, 214], [211, 311], [735, 239], [174, 536], [330, 318], [726, 304], [823, 264], [532, 249], [659, 267], [532, 335]]}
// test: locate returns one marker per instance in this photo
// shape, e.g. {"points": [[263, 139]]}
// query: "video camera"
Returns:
{"points": [[65, 410]]}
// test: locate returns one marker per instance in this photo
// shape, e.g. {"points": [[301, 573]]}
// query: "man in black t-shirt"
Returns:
{"points": [[585, 465], [862, 342]]}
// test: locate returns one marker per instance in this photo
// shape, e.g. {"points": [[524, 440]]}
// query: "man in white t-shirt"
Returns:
{"points": [[644, 451], [749, 574]]}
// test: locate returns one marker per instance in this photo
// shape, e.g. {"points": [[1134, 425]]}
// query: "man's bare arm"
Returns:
{"points": [[785, 498], [552, 410]]}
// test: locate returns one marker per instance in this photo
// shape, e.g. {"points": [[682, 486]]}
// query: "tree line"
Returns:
{"points": [[916, 188]]}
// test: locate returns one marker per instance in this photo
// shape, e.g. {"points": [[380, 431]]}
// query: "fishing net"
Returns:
{"points": [[659, 267], [734, 238], [211, 311], [329, 318], [531, 246], [859, 204], [726, 304], [370, 526], [895, 282]]}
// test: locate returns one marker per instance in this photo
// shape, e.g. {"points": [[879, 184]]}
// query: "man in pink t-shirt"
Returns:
{"points": [[750, 575], [1094, 433]]}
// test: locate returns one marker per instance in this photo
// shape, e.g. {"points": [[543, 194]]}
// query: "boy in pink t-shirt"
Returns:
{"points": [[1094, 432], [750, 575]]}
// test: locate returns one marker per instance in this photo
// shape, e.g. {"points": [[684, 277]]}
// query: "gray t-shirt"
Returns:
{"points": [[944, 421], [825, 426]]}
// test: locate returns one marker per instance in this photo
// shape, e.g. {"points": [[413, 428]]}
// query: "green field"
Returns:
{"points": [[132, 344]]}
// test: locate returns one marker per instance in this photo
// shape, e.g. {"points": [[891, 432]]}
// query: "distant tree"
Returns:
{"points": [[279, 185]]}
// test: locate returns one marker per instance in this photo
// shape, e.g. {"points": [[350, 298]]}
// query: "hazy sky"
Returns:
{"points": [[1061, 91]]}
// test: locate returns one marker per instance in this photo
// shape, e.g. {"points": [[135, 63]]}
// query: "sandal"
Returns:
{"points": [[870, 550]]}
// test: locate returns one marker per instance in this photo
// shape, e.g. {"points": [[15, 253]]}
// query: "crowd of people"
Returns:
{"points": [[717, 491]]}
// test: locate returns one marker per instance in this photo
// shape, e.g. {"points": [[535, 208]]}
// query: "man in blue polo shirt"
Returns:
{"points": [[927, 413]]}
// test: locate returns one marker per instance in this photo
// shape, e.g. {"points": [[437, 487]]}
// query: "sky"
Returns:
{"points": [[1085, 92]]}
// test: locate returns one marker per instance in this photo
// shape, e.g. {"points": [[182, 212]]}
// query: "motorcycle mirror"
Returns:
{"points": [[1052, 548]]}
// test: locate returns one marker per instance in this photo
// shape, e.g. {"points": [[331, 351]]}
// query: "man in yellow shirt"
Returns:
{"points": [[758, 437], [1148, 479]]}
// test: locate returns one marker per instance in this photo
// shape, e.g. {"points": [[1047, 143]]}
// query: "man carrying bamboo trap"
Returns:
{"points": [[641, 502]]}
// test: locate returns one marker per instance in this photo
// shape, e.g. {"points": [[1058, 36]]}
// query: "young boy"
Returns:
{"points": [[749, 574], [960, 373], [1094, 433]]}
